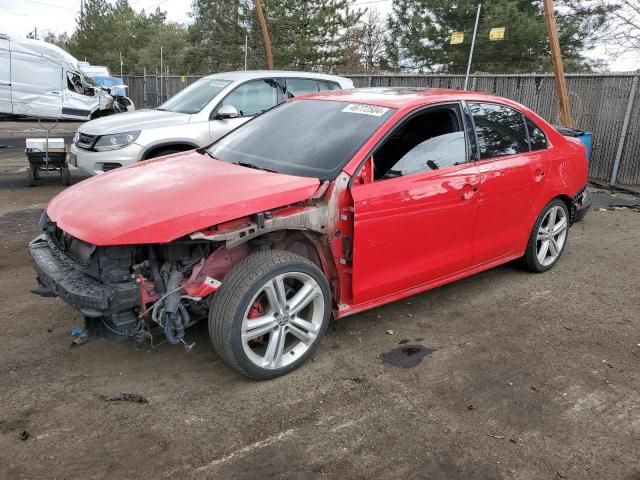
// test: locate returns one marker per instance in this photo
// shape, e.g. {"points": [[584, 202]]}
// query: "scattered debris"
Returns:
{"points": [[565, 326], [510, 384], [403, 341], [124, 397], [80, 336], [390, 332], [470, 407], [499, 437], [535, 389], [422, 340], [407, 356], [560, 475], [24, 436], [409, 314]]}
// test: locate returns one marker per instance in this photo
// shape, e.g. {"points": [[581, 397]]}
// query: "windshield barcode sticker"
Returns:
{"points": [[365, 109]]}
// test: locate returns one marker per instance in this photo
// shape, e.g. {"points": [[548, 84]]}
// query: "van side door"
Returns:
{"points": [[5, 77], [36, 85]]}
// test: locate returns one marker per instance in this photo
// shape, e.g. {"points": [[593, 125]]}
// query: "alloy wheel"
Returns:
{"points": [[283, 320], [552, 235]]}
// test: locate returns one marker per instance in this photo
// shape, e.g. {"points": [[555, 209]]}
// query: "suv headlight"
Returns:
{"points": [[76, 137], [115, 141]]}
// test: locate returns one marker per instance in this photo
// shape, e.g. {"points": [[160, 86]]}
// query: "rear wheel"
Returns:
{"points": [[66, 176], [31, 176], [548, 238], [270, 313]]}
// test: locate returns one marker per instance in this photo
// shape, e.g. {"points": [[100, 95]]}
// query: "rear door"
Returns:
{"points": [[249, 99], [5, 76], [414, 224], [512, 178]]}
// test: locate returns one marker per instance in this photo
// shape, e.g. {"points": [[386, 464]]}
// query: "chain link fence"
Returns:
{"points": [[607, 105]]}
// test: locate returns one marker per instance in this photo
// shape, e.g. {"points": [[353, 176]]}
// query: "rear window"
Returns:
{"points": [[309, 138]]}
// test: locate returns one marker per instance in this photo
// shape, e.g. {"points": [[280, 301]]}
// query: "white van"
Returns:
{"points": [[38, 79]]}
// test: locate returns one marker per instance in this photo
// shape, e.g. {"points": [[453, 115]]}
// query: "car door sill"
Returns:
{"points": [[346, 310]]}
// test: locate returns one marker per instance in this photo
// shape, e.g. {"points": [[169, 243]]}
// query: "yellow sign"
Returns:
{"points": [[497, 34], [457, 38], [183, 79]]}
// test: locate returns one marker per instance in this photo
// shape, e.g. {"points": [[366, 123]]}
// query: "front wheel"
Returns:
{"points": [[270, 313], [548, 238]]}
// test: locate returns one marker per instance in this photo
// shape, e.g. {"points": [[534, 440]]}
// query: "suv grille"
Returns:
{"points": [[86, 141]]}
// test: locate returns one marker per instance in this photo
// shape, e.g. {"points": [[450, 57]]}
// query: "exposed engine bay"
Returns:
{"points": [[142, 292]]}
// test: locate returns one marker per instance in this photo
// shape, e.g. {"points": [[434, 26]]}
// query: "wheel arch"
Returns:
{"points": [[181, 146]]}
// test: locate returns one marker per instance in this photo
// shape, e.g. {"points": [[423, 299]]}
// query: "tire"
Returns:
{"points": [[537, 257], [248, 293], [66, 176], [31, 177]]}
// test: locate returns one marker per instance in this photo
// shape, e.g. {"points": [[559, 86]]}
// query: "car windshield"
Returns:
{"points": [[195, 97], [309, 138]]}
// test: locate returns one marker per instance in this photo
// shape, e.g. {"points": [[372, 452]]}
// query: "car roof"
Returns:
{"points": [[405, 97], [254, 74]]}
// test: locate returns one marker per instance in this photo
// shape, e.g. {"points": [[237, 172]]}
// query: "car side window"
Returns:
{"points": [[537, 138], [327, 85], [501, 130], [431, 140], [300, 86], [253, 98]]}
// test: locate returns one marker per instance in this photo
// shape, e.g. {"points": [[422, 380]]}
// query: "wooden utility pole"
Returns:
{"points": [[558, 66], [265, 33]]}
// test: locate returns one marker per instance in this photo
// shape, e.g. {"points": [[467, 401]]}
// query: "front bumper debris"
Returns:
{"points": [[60, 276]]}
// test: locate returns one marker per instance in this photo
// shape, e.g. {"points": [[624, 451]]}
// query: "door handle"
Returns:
{"points": [[468, 191], [5, 84], [55, 92], [539, 175]]}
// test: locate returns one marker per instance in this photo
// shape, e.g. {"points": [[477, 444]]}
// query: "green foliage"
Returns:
{"points": [[420, 34], [305, 34], [104, 31]]}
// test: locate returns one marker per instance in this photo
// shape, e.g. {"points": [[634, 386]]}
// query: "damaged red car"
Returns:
{"points": [[327, 205]]}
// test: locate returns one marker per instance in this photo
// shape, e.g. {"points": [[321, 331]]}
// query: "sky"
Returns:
{"points": [[19, 17]]}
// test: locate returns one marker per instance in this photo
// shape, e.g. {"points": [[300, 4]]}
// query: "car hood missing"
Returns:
{"points": [[160, 200]]}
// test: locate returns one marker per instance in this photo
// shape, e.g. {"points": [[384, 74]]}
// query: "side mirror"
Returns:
{"points": [[227, 111]]}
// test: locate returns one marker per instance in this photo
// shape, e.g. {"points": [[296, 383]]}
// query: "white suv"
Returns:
{"points": [[195, 117]]}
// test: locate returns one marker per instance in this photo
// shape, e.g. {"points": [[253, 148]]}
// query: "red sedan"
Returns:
{"points": [[329, 204]]}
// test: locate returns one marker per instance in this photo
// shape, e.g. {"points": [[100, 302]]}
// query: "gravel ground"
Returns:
{"points": [[525, 377]]}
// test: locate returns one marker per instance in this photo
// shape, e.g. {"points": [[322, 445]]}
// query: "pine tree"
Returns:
{"points": [[309, 34], [420, 34]]}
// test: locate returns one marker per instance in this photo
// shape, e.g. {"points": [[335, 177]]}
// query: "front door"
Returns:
{"points": [[512, 178], [414, 224]]}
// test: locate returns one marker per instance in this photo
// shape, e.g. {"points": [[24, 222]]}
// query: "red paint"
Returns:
{"points": [[408, 234], [160, 200]]}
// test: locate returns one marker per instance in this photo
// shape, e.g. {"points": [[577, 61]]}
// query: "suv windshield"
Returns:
{"points": [[309, 138], [195, 97]]}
